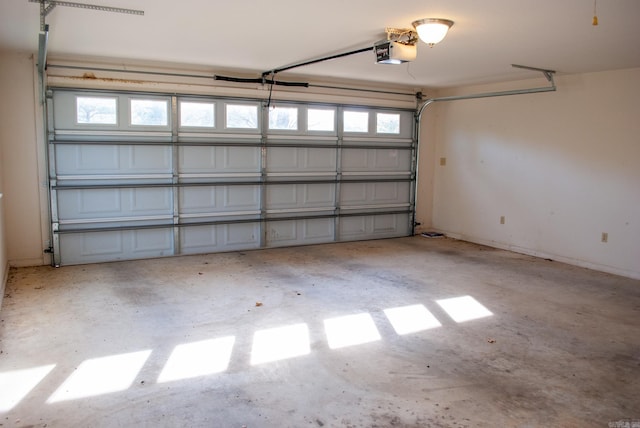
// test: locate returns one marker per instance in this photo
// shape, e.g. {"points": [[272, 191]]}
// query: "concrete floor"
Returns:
{"points": [[184, 342]]}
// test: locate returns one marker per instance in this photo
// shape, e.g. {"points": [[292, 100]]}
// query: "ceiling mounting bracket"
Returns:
{"points": [[46, 6], [547, 73], [405, 36]]}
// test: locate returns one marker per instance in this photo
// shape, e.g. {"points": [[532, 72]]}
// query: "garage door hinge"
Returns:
{"points": [[48, 250]]}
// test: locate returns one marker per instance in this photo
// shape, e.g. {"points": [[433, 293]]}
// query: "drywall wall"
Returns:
{"points": [[19, 141], [4, 267], [560, 169]]}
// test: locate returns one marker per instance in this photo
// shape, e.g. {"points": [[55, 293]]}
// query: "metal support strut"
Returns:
{"points": [[548, 74], [51, 4]]}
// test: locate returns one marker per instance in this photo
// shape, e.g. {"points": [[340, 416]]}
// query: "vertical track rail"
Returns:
{"points": [[175, 165]]}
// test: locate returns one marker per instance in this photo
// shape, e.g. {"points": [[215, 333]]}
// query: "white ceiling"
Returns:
{"points": [[258, 35]]}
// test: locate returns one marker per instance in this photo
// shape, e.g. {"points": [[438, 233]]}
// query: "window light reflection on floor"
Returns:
{"points": [[16, 384], [350, 330], [101, 376], [464, 308], [411, 319], [195, 359], [280, 343]]}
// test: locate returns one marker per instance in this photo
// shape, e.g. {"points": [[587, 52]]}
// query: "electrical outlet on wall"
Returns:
{"points": [[501, 219], [443, 161], [605, 237]]}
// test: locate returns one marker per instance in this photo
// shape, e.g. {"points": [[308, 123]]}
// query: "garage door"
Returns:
{"points": [[138, 175]]}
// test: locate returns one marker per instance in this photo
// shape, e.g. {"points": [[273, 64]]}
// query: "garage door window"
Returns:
{"points": [[387, 123], [356, 121], [320, 119], [283, 118], [149, 112], [197, 114], [242, 116], [97, 110]]}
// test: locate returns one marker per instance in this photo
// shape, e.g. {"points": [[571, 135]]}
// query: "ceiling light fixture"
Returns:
{"points": [[432, 30]]}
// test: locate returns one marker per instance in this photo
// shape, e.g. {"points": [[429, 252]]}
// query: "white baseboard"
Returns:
{"points": [[27, 262], [544, 255]]}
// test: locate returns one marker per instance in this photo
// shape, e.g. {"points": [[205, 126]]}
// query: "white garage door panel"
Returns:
{"points": [[219, 199], [216, 238], [353, 228], [241, 197], [206, 159], [367, 194], [113, 203], [389, 193], [90, 160], [151, 241], [199, 239], [301, 196], [93, 247], [384, 224], [147, 159], [307, 160], [241, 236], [300, 232], [150, 201], [374, 227], [376, 160]]}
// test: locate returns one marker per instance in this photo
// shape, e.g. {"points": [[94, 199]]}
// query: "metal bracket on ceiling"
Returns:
{"points": [[547, 73], [46, 6], [402, 35], [49, 8]]}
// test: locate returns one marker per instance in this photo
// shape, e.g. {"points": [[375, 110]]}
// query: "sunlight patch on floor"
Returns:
{"points": [[189, 360], [350, 330], [464, 308], [16, 384], [411, 319], [198, 359], [280, 343], [101, 376]]}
